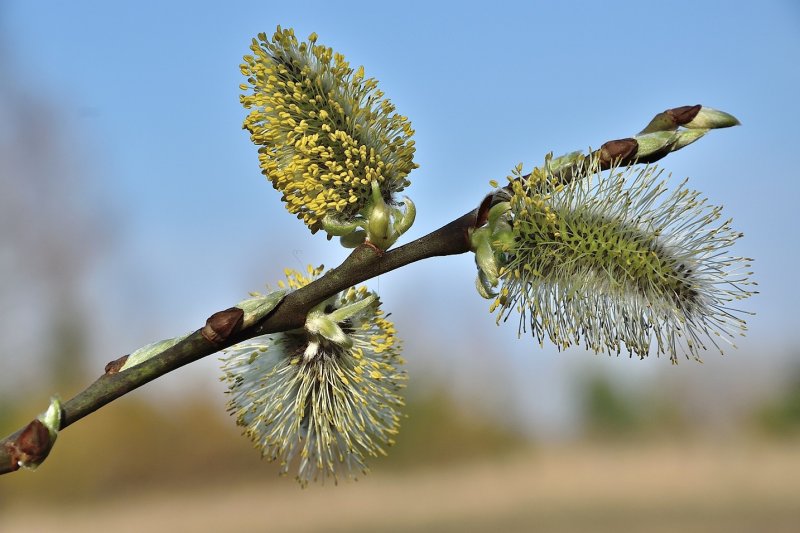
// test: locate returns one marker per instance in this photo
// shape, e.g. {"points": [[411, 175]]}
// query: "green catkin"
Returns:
{"points": [[618, 263]]}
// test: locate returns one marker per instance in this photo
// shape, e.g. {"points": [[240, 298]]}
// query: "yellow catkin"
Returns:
{"points": [[325, 133]]}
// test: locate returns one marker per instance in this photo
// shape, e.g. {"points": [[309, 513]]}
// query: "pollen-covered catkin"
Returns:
{"points": [[325, 132]]}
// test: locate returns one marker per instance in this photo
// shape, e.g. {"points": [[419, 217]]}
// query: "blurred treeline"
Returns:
{"points": [[613, 412]]}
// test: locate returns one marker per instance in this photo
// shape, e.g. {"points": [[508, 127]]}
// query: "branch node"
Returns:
{"points": [[222, 324], [378, 251], [31, 446], [684, 114], [618, 151], [116, 365]]}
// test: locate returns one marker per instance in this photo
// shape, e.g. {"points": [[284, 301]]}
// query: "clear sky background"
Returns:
{"points": [[145, 95]]}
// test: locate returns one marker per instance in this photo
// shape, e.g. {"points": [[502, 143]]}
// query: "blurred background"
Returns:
{"points": [[132, 207]]}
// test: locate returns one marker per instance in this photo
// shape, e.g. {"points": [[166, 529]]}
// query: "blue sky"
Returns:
{"points": [[149, 93]]}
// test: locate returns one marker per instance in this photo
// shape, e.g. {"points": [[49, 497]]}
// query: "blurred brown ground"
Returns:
{"points": [[703, 487], [137, 467]]}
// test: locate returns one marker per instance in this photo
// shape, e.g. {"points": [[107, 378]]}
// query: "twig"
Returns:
{"points": [[224, 328], [362, 264]]}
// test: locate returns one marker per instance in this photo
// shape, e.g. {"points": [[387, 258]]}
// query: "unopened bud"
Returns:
{"points": [[709, 118]]}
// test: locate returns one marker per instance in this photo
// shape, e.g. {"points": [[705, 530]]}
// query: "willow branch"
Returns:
{"points": [[32, 443], [221, 331]]}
